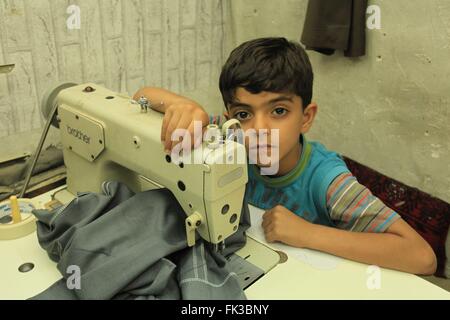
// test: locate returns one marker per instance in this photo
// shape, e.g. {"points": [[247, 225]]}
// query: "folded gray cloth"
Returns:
{"points": [[133, 246]]}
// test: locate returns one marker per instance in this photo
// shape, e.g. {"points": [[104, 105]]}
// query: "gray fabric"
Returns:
{"points": [[133, 246]]}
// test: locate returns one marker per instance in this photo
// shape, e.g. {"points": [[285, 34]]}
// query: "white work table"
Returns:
{"points": [[309, 274], [297, 280], [305, 274]]}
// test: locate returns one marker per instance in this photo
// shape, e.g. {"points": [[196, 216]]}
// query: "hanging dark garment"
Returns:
{"points": [[336, 25]]}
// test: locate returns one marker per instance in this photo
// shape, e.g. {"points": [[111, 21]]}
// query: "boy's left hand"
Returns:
{"points": [[281, 224]]}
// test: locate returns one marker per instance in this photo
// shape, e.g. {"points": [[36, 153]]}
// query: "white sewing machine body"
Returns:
{"points": [[106, 137]]}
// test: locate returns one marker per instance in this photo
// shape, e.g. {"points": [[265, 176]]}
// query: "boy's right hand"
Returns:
{"points": [[182, 114]]}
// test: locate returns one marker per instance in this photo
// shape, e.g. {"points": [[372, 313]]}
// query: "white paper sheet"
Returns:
{"points": [[316, 259]]}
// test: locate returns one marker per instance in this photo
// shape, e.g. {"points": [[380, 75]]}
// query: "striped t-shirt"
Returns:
{"points": [[353, 207], [321, 190]]}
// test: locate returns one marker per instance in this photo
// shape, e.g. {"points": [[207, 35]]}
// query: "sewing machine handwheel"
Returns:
{"points": [[49, 99]]}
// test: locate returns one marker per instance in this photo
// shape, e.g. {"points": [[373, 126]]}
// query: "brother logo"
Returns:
{"points": [[79, 135]]}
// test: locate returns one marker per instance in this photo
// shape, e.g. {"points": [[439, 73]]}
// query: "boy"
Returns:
{"points": [[313, 201]]}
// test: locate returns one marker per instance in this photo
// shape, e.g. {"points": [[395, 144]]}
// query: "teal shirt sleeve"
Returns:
{"points": [[323, 177]]}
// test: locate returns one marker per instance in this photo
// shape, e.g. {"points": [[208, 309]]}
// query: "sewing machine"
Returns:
{"points": [[108, 136]]}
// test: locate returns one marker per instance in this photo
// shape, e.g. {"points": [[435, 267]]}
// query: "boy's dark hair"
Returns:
{"points": [[267, 64]]}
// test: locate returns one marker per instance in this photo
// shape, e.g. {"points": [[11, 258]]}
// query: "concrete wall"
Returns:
{"points": [[177, 44], [389, 110]]}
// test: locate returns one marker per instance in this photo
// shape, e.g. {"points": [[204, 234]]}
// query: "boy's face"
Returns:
{"points": [[272, 110]]}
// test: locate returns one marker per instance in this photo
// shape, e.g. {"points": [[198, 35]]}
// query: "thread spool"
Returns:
{"points": [[16, 219]]}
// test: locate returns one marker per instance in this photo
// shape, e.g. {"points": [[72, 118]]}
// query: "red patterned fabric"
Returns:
{"points": [[429, 216]]}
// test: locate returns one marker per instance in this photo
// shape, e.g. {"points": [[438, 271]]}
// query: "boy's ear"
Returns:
{"points": [[226, 115], [309, 115]]}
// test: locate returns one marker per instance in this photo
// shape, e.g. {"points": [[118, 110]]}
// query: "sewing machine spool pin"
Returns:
{"points": [[144, 103]]}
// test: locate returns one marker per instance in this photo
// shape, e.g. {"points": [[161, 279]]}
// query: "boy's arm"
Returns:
{"points": [[179, 113], [399, 247], [366, 230]]}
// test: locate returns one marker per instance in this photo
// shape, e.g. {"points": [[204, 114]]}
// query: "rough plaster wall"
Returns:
{"points": [[389, 110], [176, 44]]}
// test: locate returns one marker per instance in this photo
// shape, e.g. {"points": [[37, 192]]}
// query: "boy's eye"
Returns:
{"points": [[242, 115], [279, 111]]}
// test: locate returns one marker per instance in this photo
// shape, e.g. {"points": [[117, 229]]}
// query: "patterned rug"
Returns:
{"points": [[429, 216]]}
